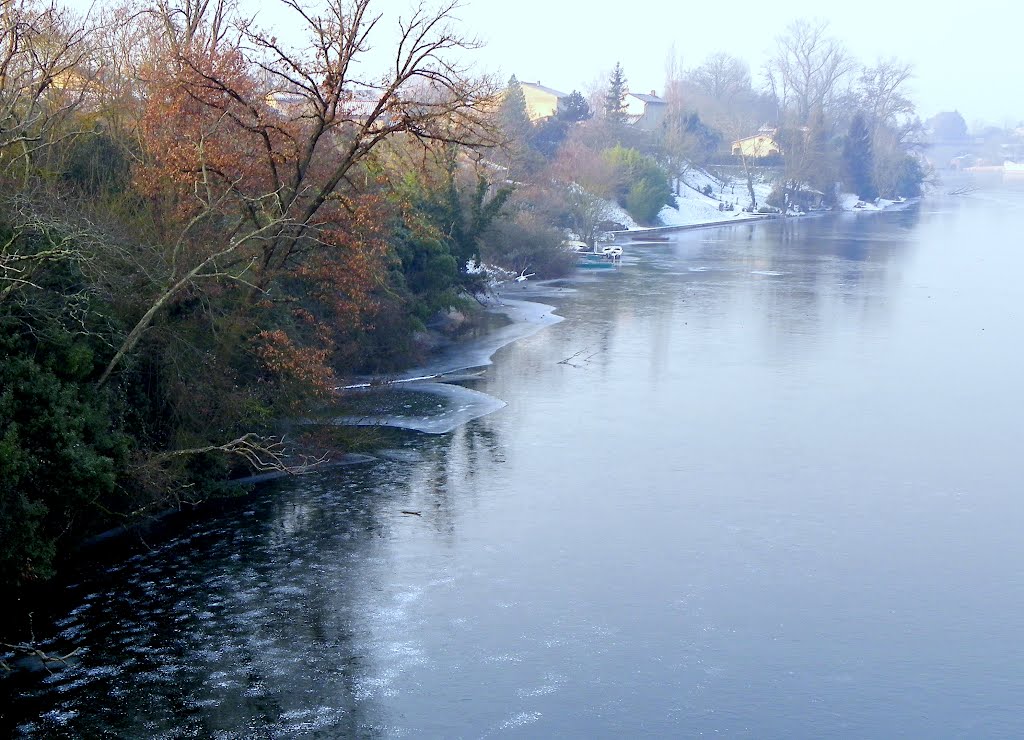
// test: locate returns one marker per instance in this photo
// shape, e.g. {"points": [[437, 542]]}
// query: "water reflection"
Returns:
{"points": [[246, 623], [740, 510], [797, 282], [278, 619]]}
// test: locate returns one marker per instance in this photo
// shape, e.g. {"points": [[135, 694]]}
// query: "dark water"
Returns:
{"points": [[776, 493]]}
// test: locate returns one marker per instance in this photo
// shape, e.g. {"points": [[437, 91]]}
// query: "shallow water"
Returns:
{"points": [[772, 491]]}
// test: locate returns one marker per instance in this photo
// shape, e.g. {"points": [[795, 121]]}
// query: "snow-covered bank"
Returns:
{"points": [[705, 201], [849, 202], [695, 208]]}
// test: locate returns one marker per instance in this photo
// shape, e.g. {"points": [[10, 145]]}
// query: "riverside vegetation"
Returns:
{"points": [[203, 228]]}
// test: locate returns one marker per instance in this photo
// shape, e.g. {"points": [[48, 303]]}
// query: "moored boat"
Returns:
{"points": [[600, 257]]}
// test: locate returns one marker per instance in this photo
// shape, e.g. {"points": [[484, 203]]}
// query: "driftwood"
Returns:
{"points": [[265, 454], [33, 652], [569, 360], [30, 650]]}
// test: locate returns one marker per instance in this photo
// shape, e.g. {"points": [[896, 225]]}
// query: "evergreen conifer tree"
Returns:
{"points": [[513, 115], [575, 108], [615, 99], [858, 159]]}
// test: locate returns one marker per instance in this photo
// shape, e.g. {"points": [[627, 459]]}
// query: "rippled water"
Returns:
{"points": [[762, 481]]}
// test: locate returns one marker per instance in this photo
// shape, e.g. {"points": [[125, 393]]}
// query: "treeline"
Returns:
{"points": [[835, 125], [203, 228]]}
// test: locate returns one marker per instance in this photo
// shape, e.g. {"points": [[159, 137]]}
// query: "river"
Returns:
{"points": [[773, 491]]}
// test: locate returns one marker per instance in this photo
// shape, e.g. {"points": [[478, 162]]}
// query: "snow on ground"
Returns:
{"points": [[693, 207], [850, 202], [615, 212]]}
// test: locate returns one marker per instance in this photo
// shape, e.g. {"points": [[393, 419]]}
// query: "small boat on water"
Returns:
{"points": [[1013, 168], [600, 256]]}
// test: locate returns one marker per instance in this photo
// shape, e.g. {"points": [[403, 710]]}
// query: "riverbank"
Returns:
{"points": [[705, 201], [605, 506], [443, 379]]}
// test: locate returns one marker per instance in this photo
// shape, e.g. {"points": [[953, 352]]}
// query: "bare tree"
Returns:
{"points": [[736, 127], [891, 117], [43, 78], [808, 71], [38, 237], [882, 92], [277, 133], [586, 212], [721, 77]]}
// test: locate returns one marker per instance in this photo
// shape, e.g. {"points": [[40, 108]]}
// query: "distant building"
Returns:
{"points": [[357, 105], [541, 102], [287, 103], [646, 112], [761, 144]]}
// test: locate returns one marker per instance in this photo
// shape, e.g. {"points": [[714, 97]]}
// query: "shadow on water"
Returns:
{"points": [[723, 518], [269, 621]]}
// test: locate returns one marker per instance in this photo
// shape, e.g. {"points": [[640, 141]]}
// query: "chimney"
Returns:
{"points": [[654, 94]]}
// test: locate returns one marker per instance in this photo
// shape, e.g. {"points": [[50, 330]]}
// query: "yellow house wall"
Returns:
{"points": [[539, 104], [756, 146]]}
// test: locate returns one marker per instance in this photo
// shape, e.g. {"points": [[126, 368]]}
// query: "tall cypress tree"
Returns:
{"points": [[858, 159], [615, 99], [513, 116]]}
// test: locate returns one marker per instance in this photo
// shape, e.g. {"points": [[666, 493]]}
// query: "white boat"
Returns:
{"points": [[600, 253], [600, 256], [1013, 168]]}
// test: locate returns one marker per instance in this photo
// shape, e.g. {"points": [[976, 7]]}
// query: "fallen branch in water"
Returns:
{"points": [[569, 360], [262, 453], [33, 652], [29, 649]]}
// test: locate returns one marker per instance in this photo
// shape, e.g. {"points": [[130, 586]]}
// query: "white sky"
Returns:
{"points": [[972, 63], [965, 61]]}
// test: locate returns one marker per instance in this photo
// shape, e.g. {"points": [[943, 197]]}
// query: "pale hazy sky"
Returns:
{"points": [[972, 62], [967, 56]]}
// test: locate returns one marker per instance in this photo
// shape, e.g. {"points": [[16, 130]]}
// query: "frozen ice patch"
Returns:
{"points": [[504, 658], [520, 720], [459, 406], [403, 456], [526, 317], [552, 682], [59, 716], [304, 721]]}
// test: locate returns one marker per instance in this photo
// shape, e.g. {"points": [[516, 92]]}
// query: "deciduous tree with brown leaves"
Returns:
{"points": [[255, 152]]}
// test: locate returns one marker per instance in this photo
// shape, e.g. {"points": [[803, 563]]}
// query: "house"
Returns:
{"points": [[761, 144], [541, 102], [646, 112], [357, 105], [288, 104]]}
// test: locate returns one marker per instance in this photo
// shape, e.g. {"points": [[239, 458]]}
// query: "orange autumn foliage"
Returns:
{"points": [[305, 367]]}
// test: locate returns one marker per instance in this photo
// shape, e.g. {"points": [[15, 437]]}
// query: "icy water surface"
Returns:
{"points": [[772, 491]]}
